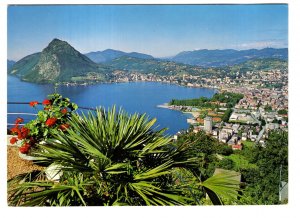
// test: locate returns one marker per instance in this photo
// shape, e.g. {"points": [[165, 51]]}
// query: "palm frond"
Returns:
{"points": [[223, 185]]}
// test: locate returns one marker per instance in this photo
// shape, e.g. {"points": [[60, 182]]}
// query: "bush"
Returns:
{"points": [[226, 164], [52, 118]]}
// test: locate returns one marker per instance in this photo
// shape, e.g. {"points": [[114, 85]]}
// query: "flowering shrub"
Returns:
{"points": [[54, 117]]}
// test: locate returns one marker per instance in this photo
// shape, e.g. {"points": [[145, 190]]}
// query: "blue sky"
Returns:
{"points": [[158, 30]]}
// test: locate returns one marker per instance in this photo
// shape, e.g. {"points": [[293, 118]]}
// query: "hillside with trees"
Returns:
{"points": [[230, 99], [262, 168]]}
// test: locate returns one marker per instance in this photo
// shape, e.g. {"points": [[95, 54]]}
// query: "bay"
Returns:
{"points": [[140, 97]]}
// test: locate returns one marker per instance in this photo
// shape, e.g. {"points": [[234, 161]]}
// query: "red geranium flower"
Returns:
{"points": [[25, 148], [46, 102], [24, 132], [13, 140], [51, 121], [64, 111], [19, 120], [33, 103], [65, 126], [15, 129]]}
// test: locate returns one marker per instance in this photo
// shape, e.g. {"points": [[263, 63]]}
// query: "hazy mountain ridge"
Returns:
{"points": [[10, 64], [217, 58], [110, 54], [153, 66]]}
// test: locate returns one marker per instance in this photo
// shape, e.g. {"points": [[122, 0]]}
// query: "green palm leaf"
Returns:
{"points": [[223, 185]]}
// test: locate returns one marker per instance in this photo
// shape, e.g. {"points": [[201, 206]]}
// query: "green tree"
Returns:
{"points": [[227, 115], [282, 111], [226, 164], [268, 108]]}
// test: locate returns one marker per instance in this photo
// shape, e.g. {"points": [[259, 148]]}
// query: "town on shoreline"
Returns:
{"points": [[263, 107]]}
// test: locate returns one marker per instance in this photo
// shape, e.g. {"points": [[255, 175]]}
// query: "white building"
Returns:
{"points": [[208, 124]]}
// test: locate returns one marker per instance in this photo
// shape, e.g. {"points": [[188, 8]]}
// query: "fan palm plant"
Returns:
{"points": [[108, 158]]}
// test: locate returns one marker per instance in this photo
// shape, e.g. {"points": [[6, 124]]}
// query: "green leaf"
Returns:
{"points": [[223, 185]]}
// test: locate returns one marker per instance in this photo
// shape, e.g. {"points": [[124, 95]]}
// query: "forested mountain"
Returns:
{"points": [[260, 64], [110, 54], [59, 61], [25, 65], [153, 66]]}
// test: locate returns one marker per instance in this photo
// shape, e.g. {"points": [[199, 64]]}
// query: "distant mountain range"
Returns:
{"points": [[110, 54], [60, 62], [153, 66], [227, 57]]}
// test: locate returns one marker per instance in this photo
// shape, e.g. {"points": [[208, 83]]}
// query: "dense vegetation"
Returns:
{"points": [[263, 181], [260, 64], [283, 112], [259, 166], [227, 115], [25, 65], [111, 158], [206, 148], [226, 97]]}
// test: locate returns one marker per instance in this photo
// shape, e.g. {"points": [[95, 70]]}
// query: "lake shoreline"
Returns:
{"points": [[88, 83], [171, 107], [133, 97]]}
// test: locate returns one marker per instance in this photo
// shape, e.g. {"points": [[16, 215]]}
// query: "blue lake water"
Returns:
{"points": [[141, 97]]}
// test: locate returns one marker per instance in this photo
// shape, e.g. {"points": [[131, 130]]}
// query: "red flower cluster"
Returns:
{"points": [[15, 129], [24, 148], [50, 121], [46, 102], [64, 110], [53, 115], [33, 103], [13, 140], [64, 127], [22, 133], [19, 120]]}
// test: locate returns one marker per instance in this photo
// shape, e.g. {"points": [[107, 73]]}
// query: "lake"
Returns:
{"points": [[141, 97]]}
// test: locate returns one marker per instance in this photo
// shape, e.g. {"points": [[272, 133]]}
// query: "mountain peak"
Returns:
{"points": [[56, 40], [58, 43], [57, 46], [59, 61]]}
